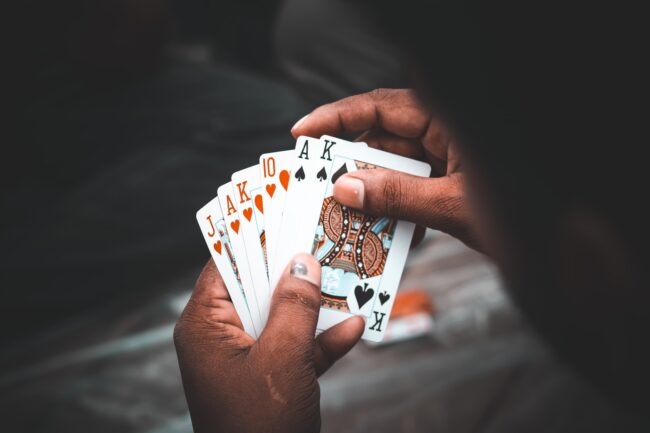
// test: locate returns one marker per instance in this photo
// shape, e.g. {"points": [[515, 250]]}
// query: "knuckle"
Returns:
{"points": [[392, 194], [194, 332], [300, 295], [180, 332], [380, 94]]}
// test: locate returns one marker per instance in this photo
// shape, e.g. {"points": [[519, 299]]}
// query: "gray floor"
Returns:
{"points": [[116, 371]]}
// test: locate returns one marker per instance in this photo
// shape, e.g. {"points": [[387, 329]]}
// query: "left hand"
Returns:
{"points": [[394, 120], [236, 384]]}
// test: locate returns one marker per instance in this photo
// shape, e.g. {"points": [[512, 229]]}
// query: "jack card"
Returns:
{"points": [[213, 228]]}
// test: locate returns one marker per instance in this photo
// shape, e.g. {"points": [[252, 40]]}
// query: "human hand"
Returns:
{"points": [[394, 120], [236, 384]]}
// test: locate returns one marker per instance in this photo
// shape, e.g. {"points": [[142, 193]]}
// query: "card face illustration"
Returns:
{"points": [[249, 199], [233, 219], [215, 233], [310, 175], [275, 175], [362, 256]]}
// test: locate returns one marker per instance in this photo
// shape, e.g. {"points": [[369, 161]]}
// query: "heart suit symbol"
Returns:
{"points": [[235, 226], [248, 213], [217, 247], [259, 203], [284, 179], [270, 189]]}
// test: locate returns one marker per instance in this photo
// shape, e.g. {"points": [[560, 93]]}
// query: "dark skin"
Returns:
{"points": [[236, 384], [226, 374], [545, 101], [223, 368]]}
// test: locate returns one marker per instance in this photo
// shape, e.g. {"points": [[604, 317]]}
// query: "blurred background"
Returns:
{"points": [[123, 118]]}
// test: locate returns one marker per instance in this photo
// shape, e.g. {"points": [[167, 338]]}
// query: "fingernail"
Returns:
{"points": [[299, 122], [306, 267], [349, 191]]}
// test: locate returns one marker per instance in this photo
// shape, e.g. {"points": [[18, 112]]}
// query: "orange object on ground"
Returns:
{"points": [[412, 302]]}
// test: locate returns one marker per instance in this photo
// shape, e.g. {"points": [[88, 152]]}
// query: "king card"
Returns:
{"points": [[213, 227], [362, 256], [232, 217], [250, 203]]}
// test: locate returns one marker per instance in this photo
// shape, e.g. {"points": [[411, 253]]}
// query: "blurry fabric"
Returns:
{"points": [[330, 49], [107, 207]]}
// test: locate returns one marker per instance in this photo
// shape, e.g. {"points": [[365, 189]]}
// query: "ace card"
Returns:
{"points": [[362, 256], [232, 218], [310, 174]]}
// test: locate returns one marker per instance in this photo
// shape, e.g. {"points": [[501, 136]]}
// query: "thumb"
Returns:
{"points": [[295, 305], [432, 202]]}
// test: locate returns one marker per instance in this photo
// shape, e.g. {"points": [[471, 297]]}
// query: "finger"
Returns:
{"points": [[210, 299], [294, 306], [378, 139], [332, 344], [209, 316], [210, 284], [432, 202], [394, 110]]}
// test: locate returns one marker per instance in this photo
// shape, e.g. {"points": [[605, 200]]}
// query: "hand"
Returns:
{"points": [[395, 121], [236, 384]]}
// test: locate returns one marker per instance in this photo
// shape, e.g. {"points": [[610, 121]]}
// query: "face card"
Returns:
{"points": [[310, 174], [213, 227], [275, 173], [362, 256], [232, 218], [249, 198]]}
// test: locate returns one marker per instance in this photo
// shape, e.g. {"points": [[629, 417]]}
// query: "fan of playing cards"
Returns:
{"points": [[284, 206]]}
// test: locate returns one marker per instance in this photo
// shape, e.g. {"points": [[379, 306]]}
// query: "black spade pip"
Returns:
{"points": [[363, 294], [300, 174], [340, 172], [322, 174]]}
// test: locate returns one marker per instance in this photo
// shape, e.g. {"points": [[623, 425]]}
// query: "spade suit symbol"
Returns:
{"points": [[322, 174], [363, 294], [300, 174], [340, 172], [384, 297]]}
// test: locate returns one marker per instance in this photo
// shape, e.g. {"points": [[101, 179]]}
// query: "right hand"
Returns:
{"points": [[236, 384], [395, 121]]}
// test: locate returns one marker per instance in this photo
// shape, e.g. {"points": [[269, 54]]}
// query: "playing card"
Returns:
{"points": [[275, 172], [362, 256], [309, 178], [213, 227], [248, 194], [229, 209]]}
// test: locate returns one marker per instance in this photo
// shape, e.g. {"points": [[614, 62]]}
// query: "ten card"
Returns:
{"points": [[275, 172], [310, 174], [227, 201], [250, 204], [362, 256], [213, 227]]}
